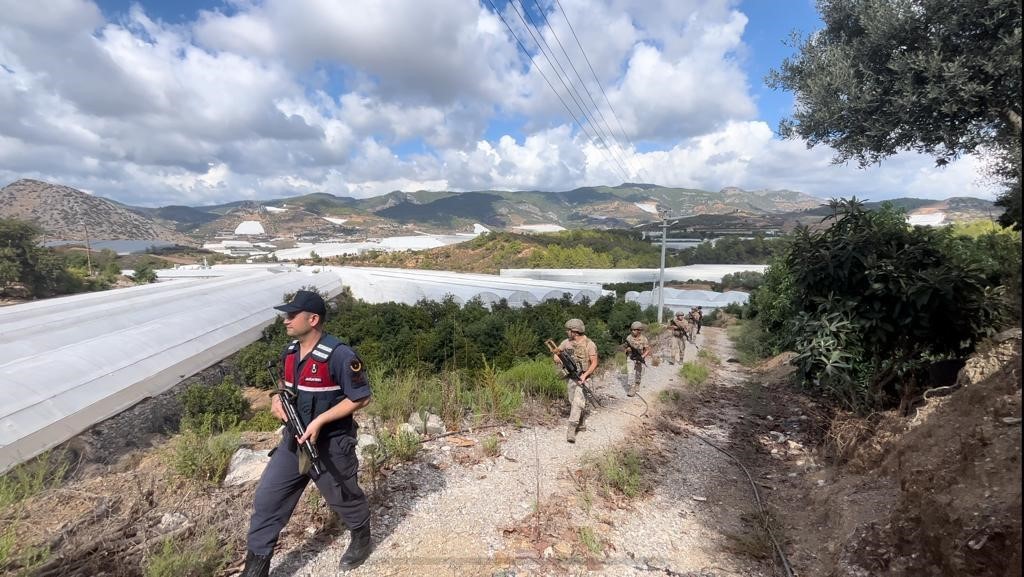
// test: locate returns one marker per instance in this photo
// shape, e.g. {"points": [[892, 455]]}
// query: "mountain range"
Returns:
{"points": [[69, 214]]}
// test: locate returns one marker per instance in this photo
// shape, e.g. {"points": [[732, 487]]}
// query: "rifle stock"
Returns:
{"points": [[572, 370], [294, 423]]}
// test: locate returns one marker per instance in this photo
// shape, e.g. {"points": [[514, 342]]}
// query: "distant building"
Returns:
{"points": [[930, 219], [250, 227]]}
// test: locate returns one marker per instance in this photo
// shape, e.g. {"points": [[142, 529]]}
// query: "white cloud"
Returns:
{"points": [[270, 98]]}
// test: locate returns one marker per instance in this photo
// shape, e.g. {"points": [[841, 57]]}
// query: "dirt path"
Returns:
{"points": [[446, 518]]}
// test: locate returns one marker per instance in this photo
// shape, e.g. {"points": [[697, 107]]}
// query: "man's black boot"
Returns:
{"points": [[256, 565], [358, 548]]}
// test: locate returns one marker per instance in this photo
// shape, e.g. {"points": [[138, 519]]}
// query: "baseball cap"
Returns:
{"points": [[307, 301]]}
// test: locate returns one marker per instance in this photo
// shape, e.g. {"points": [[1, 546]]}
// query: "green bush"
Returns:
{"points": [[622, 470], [751, 342], [217, 408], [201, 455], [32, 477], [695, 374], [396, 446], [537, 378], [869, 302], [174, 558]]}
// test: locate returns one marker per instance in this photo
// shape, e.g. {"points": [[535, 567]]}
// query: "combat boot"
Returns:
{"points": [[570, 433], [359, 547], [256, 565]]}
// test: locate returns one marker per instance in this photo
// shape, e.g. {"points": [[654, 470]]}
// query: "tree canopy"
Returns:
{"points": [[941, 77]]}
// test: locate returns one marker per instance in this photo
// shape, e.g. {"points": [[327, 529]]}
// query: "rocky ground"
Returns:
{"points": [[933, 493], [528, 512]]}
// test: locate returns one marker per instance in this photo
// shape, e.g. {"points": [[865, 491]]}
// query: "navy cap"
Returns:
{"points": [[306, 301]]}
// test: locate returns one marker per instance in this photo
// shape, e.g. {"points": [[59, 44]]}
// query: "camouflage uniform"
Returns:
{"points": [[640, 343], [680, 333], [581, 351], [696, 316]]}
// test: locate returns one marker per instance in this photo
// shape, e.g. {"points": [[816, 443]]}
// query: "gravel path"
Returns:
{"points": [[444, 518]]}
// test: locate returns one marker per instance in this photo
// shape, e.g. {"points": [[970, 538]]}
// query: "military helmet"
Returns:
{"points": [[637, 325], [576, 325], [680, 314]]}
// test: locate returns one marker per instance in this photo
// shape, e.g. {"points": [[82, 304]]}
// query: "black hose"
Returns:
{"points": [[757, 497]]}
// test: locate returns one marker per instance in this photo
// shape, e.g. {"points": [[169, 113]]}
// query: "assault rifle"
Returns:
{"points": [[636, 354], [295, 425], [572, 370]]}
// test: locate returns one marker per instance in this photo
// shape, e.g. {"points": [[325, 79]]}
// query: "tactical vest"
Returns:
{"points": [[579, 353], [316, 390]]}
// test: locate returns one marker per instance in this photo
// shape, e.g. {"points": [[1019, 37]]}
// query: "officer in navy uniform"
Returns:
{"points": [[331, 384]]}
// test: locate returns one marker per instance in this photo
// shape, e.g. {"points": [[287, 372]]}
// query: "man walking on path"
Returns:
{"points": [[680, 334], [639, 349], [329, 384], [584, 353]]}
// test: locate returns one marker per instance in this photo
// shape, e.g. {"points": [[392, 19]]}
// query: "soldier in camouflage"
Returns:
{"points": [[680, 334], [639, 349], [584, 353]]}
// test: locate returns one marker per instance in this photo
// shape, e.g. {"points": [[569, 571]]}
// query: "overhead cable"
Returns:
{"points": [[573, 94], [607, 128], [596, 79], [539, 70]]}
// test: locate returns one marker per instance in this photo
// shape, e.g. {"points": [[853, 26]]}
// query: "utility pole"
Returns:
{"points": [[661, 275], [88, 249]]}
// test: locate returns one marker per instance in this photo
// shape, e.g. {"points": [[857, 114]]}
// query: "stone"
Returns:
{"points": [[364, 441], [406, 427], [416, 422], [246, 465], [434, 425], [172, 522]]}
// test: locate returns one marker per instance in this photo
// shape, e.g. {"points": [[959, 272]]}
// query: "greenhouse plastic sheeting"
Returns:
{"points": [[377, 285], [68, 363], [683, 300], [705, 272]]}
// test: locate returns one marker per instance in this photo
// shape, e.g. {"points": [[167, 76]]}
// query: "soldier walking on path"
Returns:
{"points": [[696, 317], [639, 349], [680, 334], [583, 352]]}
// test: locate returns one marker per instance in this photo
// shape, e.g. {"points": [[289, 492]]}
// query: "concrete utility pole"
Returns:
{"points": [[661, 275]]}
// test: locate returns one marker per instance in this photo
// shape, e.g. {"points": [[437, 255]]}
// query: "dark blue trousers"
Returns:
{"points": [[281, 487]]}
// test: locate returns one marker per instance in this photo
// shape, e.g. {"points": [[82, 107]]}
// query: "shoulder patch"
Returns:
{"points": [[358, 372]]}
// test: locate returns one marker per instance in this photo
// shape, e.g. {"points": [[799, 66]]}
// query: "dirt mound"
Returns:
{"points": [[958, 470]]}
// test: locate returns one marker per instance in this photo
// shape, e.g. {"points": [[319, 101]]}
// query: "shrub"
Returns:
{"points": [[217, 408], [399, 446], [869, 301], [622, 470], [200, 455], [538, 378], [694, 373], [32, 477], [491, 445], [176, 558]]}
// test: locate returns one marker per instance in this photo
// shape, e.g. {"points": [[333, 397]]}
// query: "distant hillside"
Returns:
{"points": [[956, 209], [64, 213]]}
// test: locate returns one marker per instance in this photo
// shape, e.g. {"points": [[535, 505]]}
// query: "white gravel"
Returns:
{"points": [[444, 518]]}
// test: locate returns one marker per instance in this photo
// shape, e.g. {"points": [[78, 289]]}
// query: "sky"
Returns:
{"points": [[199, 102]]}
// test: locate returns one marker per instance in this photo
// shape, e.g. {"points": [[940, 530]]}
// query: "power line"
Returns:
{"points": [[603, 136], [596, 79], [571, 91], [539, 70], [607, 128]]}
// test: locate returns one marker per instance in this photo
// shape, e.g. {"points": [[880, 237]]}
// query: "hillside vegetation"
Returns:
{"points": [[491, 252]]}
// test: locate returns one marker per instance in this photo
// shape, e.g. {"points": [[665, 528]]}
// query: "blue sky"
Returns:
{"points": [[192, 102]]}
